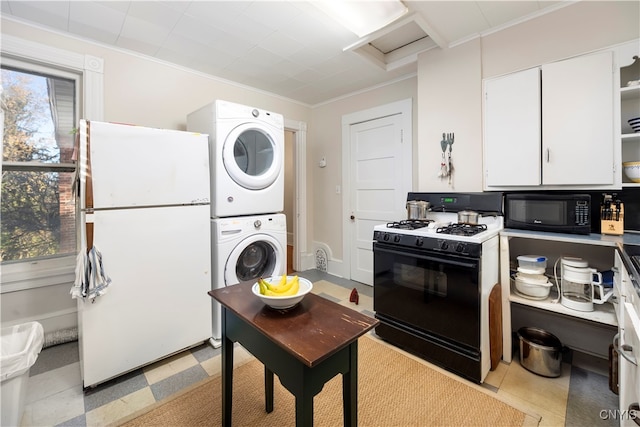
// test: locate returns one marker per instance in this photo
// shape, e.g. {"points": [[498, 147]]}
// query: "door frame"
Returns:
{"points": [[302, 259], [403, 107]]}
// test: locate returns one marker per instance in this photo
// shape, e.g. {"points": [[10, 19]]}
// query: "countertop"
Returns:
{"points": [[627, 244], [593, 238]]}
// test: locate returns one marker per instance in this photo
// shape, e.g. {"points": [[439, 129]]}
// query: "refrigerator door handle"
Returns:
{"points": [[89, 230], [88, 196], [88, 192]]}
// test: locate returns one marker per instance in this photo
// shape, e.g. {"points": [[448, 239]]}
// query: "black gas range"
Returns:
{"points": [[432, 279]]}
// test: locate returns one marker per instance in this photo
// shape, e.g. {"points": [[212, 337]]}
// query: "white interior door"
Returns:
{"points": [[379, 180]]}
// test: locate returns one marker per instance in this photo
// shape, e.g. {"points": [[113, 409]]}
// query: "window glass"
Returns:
{"points": [[38, 207]]}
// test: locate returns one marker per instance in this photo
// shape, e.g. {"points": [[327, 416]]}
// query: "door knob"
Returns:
{"points": [[352, 217]]}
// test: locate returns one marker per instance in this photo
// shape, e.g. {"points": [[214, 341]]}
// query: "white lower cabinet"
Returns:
{"points": [[628, 372], [589, 332], [628, 344], [551, 125]]}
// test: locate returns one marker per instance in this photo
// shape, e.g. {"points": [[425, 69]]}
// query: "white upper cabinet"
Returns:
{"points": [[577, 121], [551, 125], [512, 129]]}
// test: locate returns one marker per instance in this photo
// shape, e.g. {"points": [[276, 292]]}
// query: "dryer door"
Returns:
{"points": [[259, 255], [252, 156]]}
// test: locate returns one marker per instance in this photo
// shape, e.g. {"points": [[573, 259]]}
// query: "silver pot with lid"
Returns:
{"points": [[468, 217], [417, 209]]}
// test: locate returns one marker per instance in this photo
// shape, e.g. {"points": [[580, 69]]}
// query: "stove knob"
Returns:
{"points": [[396, 238], [419, 241], [460, 247], [444, 246], [386, 237]]}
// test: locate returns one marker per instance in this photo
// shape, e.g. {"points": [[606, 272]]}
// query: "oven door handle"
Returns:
{"points": [[442, 259]]}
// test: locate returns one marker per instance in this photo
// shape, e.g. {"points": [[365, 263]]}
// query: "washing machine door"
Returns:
{"points": [[252, 156], [259, 255]]}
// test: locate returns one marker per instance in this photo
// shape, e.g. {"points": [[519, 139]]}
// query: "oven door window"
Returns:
{"points": [[433, 293]]}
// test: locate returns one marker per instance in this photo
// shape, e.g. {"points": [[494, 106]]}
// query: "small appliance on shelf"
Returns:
{"points": [[611, 215], [582, 286]]}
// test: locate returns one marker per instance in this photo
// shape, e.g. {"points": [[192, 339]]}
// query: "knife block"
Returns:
{"points": [[613, 226]]}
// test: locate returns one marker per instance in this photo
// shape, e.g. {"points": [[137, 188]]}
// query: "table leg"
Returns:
{"points": [[350, 388], [268, 390], [304, 409], [227, 373]]}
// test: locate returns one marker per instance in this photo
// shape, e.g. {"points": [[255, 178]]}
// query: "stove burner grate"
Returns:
{"points": [[409, 224], [460, 229]]}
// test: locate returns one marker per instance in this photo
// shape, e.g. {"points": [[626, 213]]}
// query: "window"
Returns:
{"points": [[38, 205], [74, 88]]}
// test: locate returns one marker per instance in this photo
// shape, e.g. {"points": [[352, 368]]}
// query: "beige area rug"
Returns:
{"points": [[393, 390]]}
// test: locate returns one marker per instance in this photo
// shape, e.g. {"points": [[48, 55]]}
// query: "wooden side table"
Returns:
{"points": [[305, 346]]}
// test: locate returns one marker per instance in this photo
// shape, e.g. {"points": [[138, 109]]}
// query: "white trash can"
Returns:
{"points": [[20, 347]]}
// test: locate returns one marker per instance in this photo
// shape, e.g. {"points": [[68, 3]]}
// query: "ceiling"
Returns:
{"points": [[288, 48]]}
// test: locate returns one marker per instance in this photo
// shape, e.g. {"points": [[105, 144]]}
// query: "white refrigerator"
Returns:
{"points": [[144, 196]]}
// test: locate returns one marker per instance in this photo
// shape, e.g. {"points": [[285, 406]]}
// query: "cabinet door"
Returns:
{"points": [[512, 129], [577, 121]]}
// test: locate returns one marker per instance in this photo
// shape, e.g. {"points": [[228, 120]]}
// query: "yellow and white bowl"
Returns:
{"points": [[632, 170], [283, 302]]}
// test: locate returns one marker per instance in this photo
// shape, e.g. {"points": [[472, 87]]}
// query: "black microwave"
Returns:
{"points": [[560, 213]]}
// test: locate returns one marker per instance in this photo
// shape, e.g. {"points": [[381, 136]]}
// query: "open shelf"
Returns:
{"points": [[602, 313]]}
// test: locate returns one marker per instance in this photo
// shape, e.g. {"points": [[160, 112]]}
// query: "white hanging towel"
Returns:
{"points": [[91, 279]]}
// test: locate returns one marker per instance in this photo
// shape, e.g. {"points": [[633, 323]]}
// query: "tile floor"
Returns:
{"points": [[55, 395]]}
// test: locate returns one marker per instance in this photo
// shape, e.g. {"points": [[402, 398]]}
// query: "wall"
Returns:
{"points": [[141, 91], [449, 95], [325, 207], [450, 80]]}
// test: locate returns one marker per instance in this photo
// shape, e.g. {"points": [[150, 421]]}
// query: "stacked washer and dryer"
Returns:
{"points": [[248, 228]]}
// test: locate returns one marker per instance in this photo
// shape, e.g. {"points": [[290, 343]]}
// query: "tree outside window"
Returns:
{"points": [[38, 172]]}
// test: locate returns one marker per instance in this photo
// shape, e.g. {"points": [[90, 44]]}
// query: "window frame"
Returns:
{"points": [[31, 274]]}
